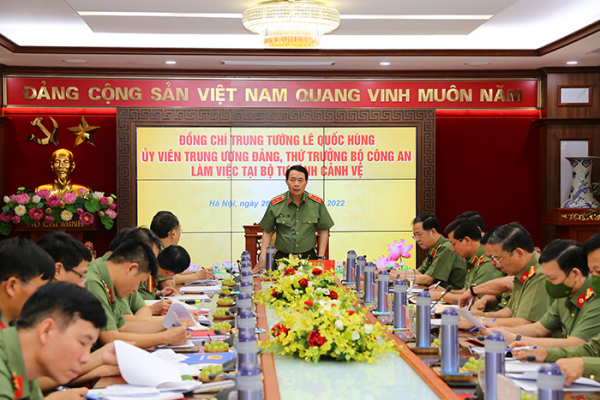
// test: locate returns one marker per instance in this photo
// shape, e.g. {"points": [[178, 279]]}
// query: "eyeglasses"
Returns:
{"points": [[499, 260], [418, 235], [80, 276], [29, 283]]}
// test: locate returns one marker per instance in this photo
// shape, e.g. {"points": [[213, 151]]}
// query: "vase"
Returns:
{"points": [[581, 195]]}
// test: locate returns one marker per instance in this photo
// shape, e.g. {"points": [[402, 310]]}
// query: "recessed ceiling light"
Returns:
{"points": [[170, 62], [477, 63], [384, 63], [282, 63], [75, 61], [571, 62]]}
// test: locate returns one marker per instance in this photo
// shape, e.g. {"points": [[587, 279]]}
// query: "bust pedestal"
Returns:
{"points": [[74, 228], [573, 223]]}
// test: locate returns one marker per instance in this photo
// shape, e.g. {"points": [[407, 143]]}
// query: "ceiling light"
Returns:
{"points": [[291, 23], [477, 63], [571, 62], [75, 61], [170, 62], [418, 17], [384, 63], [282, 63]]}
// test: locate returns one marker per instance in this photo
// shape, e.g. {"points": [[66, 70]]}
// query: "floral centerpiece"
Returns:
{"points": [[30, 207], [324, 325], [397, 250]]}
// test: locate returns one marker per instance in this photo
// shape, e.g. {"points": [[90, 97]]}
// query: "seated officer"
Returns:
{"points": [[441, 263], [53, 337], [575, 311], [71, 257], [172, 260], [583, 359], [24, 267], [127, 267], [512, 249], [475, 218], [465, 236]]}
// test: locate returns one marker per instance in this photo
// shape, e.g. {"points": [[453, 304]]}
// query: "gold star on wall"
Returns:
{"points": [[84, 132]]}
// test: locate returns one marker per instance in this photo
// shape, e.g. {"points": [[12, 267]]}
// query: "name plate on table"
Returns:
{"points": [[506, 389], [325, 264]]}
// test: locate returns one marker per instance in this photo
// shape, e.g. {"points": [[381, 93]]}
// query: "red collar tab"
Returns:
{"points": [[18, 385], [432, 254], [584, 297], [527, 274], [2, 325]]}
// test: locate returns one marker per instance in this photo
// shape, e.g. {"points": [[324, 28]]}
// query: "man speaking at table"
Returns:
{"points": [[295, 214]]}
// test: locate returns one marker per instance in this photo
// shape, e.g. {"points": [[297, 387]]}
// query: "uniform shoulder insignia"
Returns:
{"points": [[589, 293], [481, 259], [527, 274], [2, 326], [315, 198], [531, 271], [435, 251], [277, 199]]}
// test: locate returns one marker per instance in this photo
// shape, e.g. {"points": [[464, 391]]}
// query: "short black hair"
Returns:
{"points": [[163, 223], [488, 234], [511, 237], [429, 222], [591, 245], [145, 235], [133, 251], [463, 228], [568, 255], [25, 260], [298, 168], [65, 249], [62, 301], [174, 258], [474, 217], [119, 238]]}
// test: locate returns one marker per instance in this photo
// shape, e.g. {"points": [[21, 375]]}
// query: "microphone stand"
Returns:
{"points": [[449, 288]]}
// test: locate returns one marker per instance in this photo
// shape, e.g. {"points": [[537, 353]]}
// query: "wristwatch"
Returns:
{"points": [[471, 290], [321, 258]]}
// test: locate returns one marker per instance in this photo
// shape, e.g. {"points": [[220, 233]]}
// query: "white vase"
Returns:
{"points": [[581, 195]]}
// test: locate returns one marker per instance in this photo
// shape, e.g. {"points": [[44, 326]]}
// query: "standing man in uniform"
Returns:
{"points": [[295, 214]]}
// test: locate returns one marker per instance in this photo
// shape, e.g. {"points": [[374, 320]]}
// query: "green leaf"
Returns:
{"points": [[92, 206], [72, 208], [40, 205], [90, 196], [27, 219], [56, 215], [6, 208], [107, 222], [5, 228]]}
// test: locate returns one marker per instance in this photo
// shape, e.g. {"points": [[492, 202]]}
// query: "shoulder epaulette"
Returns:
{"points": [[277, 199], [527, 274], [315, 198], [2, 326], [584, 297], [435, 251]]}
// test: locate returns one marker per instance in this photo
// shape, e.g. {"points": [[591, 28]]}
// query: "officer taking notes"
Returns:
{"points": [[295, 214]]}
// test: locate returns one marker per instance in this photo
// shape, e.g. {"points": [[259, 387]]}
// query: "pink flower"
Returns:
{"points": [[22, 198], [5, 216], [398, 250], [104, 201], [13, 198], [381, 262], [69, 197], [16, 219], [53, 201], [113, 205], [49, 220], [79, 211], [86, 218], [43, 193], [82, 192], [36, 214], [111, 213]]}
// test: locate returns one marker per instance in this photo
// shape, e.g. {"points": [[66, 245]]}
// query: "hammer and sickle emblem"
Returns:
{"points": [[50, 137]]}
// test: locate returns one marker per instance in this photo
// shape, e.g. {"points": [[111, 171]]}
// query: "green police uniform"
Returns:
{"points": [[444, 265], [147, 290], [296, 224], [480, 270], [131, 304], [13, 376], [576, 315], [100, 285], [590, 352], [529, 299]]}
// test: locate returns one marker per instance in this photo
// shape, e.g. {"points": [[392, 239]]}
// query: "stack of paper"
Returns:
{"points": [[178, 311], [206, 282], [527, 381], [200, 289]]}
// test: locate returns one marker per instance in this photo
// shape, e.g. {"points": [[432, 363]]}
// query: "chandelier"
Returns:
{"points": [[291, 23]]}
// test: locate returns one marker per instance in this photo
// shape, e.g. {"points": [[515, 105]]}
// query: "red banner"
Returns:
{"points": [[51, 92]]}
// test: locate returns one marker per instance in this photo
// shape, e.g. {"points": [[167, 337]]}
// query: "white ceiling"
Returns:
{"points": [[366, 25]]}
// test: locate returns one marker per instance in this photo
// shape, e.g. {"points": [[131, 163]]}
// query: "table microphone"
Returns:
{"points": [[449, 288], [230, 272]]}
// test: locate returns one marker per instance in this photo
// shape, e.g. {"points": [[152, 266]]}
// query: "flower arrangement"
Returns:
{"points": [[30, 207], [293, 263], [397, 251], [321, 324]]}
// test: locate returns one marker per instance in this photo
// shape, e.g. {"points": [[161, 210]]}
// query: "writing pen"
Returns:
{"points": [[436, 285], [523, 348], [470, 304], [63, 388], [481, 319]]}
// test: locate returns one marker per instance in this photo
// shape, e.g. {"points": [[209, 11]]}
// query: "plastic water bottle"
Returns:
{"points": [[550, 382], [424, 319], [449, 341]]}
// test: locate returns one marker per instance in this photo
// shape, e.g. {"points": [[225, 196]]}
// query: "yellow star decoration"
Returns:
{"points": [[84, 132]]}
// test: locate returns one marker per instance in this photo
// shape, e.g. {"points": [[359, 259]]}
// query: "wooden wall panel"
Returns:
{"points": [[553, 81]]}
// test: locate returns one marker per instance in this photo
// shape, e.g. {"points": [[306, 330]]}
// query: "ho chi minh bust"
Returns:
{"points": [[62, 165]]}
